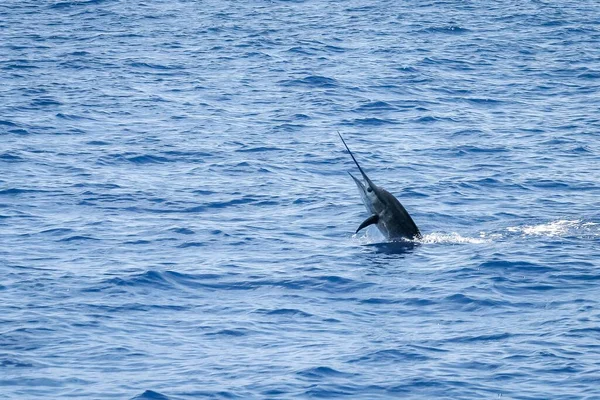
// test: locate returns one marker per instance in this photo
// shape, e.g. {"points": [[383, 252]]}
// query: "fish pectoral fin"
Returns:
{"points": [[373, 219]]}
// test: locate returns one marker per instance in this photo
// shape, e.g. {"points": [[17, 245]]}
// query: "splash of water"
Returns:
{"points": [[431, 238], [453, 238], [554, 228]]}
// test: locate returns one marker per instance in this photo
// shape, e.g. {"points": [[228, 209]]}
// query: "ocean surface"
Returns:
{"points": [[177, 219]]}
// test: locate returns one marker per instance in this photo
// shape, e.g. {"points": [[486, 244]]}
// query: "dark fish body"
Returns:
{"points": [[387, 213]]}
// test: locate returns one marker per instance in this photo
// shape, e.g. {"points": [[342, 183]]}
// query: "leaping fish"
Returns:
{"points": [[391, 218]]}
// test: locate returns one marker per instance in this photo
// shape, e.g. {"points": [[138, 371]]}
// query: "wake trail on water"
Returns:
{"points": [[430, 238], [554, 229], [558, 228], [452, 238]]}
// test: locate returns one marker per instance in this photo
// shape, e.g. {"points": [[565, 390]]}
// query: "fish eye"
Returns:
{"points": [[369, 190]]}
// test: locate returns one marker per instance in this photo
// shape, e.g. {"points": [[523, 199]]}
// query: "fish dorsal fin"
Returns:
{"points": [[371, 185], [356, 162]]}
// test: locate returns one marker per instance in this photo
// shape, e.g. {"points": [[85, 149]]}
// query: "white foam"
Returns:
{"points": [[549, 229], [430, 238], [552, 229], [367, 238], [454, 238]]}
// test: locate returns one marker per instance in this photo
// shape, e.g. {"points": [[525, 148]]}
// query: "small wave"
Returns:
{"points": [[555, 228], [373, 121], [390, 355], [335, 49], [137, 242], [484, 101], [299, 50], [313, 81], [14, 363], [378, 300], [10, 157], [152, 66], [582, 149], [291, 312], [147, 159], [77, 238], [56, 231], [170, 279], [182, 231], [191, 244], [494, 337], [259, 149], [20, 64], [140, 159], [150, 278], [14, 191], [45, 101], [72, 117], [78, 53], [289, 127], [150, 395], [19, 131], [448, 30], [426, 119], [322, 372], [228, 203], [590, 75], [376, 106], [68, 4], [230, 332], [7, 123], [481, 149], [474, 303], [519, 265]]}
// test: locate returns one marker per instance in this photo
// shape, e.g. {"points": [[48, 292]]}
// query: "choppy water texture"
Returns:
{"points": [[176, 218]]}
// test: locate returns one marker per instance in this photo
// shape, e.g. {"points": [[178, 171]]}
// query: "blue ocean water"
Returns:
{"points": [[176, 217]]}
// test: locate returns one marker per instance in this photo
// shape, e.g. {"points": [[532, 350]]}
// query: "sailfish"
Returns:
{"points": [[386, 212]]}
